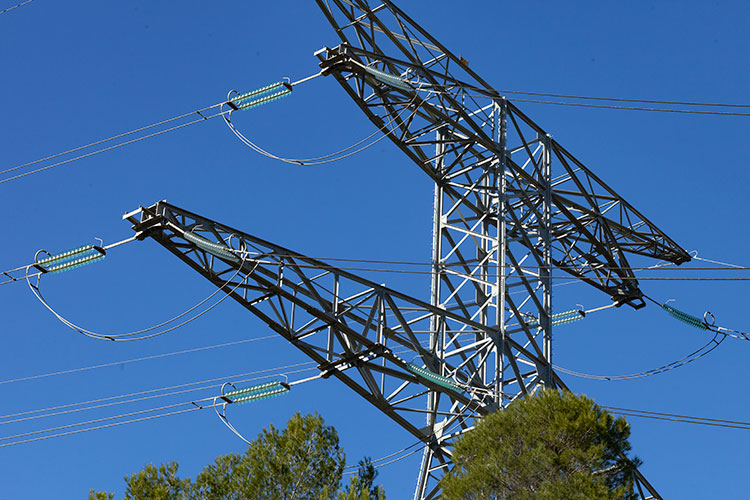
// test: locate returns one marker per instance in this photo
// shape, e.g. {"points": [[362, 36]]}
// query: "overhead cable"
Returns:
{"points": [[135, 360], [160, 392], [483, 93], [104, 426], [195, 405], [138, 396], [622, 99], [320, 160], [109, 148], [12, 279], [15, 6], [634, 108], [102, 419], [693, 356], [202, 114], [672, 417], [144, 398], [138, 334]]}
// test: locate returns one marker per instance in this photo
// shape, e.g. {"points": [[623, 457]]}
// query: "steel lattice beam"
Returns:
{"points": [[357, 331], [360, 332], [511, 204]]}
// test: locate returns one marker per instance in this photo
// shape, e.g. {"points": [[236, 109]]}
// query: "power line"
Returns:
{"points": [[134, 335], [622, 99], [325, 159], [235, 378], [94, 402], [105, 426], [15, 6], [135, 360], [199, 112], [616, 410], [634, 108], [12, 279], [102, 419], [553, 277], [331, 157], [112, 138], [727, 267], [693, 356], [110, 148], [171, 406], [483, 93], [734, 424], [162, 389]]}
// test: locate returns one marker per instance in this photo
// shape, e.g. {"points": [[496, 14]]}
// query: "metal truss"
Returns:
{"points": [[511, 204], [377, 341], [512, 207]]}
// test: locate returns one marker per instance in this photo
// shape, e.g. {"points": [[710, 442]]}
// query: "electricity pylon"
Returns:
{"points": [[511, 206]]}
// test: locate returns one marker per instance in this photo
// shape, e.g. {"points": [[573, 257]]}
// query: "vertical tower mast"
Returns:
{"points": [[511, 204]]}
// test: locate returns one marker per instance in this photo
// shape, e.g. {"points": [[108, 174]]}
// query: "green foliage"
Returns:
{"points": [[362, 486], [546, 447], [157, 483], [355, 490], [100, 495], [298, 462], [301, 462], [153, 483]]}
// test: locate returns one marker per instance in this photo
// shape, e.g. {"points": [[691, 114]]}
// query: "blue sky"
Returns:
{"points": [[78, 71]]}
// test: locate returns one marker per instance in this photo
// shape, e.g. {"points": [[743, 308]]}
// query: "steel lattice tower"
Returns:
{"points": [[511, 206]]}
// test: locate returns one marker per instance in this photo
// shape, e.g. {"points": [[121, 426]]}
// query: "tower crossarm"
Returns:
{"points": [[460, 132], [372, 338]]}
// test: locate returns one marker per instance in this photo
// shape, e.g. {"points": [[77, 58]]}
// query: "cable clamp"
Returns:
{"points": [[338, 62], [145, 228]]}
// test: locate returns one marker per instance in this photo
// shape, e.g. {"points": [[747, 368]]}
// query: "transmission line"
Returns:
{"points": [[693, 356], [15, 439], [159, 392], [331, 157], [81, 408], [731, 267], [633, 108], [15, 6], [484, 93], [59, 262], [734, 424], [196, 406], [104, 426], [110, 148], [622, 99], [138, 334], [168, 388], [252, 99], [135, 360]]}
